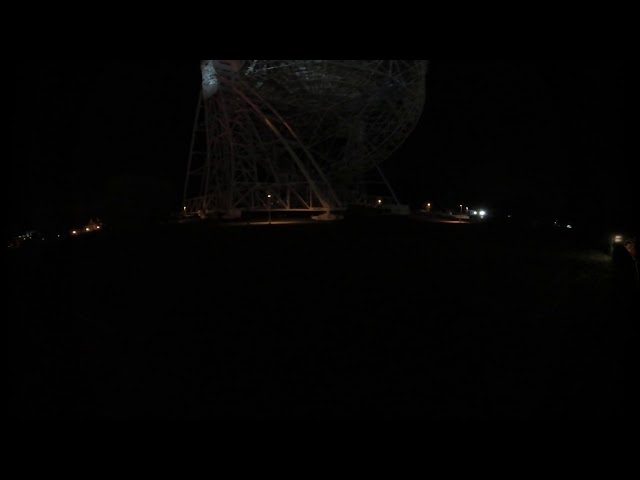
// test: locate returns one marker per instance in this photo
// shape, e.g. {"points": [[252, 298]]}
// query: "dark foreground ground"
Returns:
{"points": [[387, 319]]}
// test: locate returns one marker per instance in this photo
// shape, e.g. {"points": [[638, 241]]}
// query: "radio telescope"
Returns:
{"points": [[299, 135]]}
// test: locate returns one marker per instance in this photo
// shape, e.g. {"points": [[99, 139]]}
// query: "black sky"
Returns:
{"points": [[513, 134]]}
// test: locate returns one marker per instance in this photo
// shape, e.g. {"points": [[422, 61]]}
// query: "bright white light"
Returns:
{"points": [[74, 233], [483, 213], [379, 202], [569, 227], [88, 229], [618, 239]]}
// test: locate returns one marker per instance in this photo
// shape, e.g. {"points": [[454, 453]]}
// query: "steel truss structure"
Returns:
{"points": [[299, 135]]}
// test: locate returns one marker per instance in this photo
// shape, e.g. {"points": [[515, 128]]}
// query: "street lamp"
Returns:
{"points": [[269, 200]]}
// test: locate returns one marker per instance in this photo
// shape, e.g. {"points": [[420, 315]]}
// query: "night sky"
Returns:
{"points": [[537, 137]]}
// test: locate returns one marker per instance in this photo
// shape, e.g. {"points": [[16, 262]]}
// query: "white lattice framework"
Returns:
{"points": [[298, 135]]}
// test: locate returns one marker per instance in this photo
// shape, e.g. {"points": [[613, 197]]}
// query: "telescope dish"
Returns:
{"points": [[298, 135]]}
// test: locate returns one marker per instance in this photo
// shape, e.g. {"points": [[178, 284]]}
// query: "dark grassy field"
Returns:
{"points": [[378, 318]]}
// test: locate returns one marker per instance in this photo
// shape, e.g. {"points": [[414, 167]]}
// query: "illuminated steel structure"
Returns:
{"points": [[299, 135]]}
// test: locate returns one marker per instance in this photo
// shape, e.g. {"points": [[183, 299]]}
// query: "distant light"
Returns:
{"points": [[74, 233], [569, 227], [98, 227], [379, 202], [88, 229], [618, 239], [483, 213], [268, 196]]}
